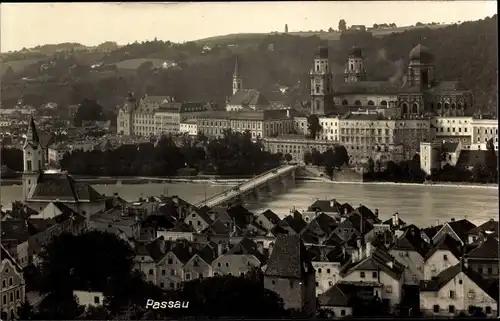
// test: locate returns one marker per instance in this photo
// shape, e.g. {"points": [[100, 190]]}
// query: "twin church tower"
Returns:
{"points": [[322, 78]]}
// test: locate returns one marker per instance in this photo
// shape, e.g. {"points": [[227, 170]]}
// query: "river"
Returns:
{"points": [[421, 205]]}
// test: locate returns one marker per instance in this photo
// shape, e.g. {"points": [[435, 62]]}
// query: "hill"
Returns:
{"points": [[238, 38], [466, 52]]}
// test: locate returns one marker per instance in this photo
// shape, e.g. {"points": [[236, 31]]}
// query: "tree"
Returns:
{"points": [[341, 157], [95, 313], [26, 312], [88, 110], [316, 157], [288, 158], [307, 157], [329, 161], [375, 26], [313, 126], [491, 161], [371, 165], [62, 272], [330, 29], [229, 296], [342, 25], [144, 69]]}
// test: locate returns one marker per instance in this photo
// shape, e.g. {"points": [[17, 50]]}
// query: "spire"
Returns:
{"points": [[236, 72], [32, 135]]}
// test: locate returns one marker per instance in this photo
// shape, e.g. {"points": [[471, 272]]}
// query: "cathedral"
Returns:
{"points": [[417, 93], [41, 187]]}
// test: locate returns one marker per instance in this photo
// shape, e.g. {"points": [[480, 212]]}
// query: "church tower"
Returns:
{"points": [[33, 159], [355, 70], [321, 84], [421, 67], [237, 81]]}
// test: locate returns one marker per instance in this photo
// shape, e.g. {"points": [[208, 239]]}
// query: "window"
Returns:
{"points": [[151, 272], [195, 264], [445, 257], [29, 165], [172, 272], [17, 295], [162, 285], [319, 270], [451, 309], [273, 282], [163, 272], [436, 308], [242, 273], [170, 261], [317, 284], [490, 270], [227, 264], [330, 283], [96, 300], [374, 275], [4, 284], [460, 281], [362, 274], [188, 276], [172, 285], [10, 281], [342, 312], [472, 309], [200, 275], [488, 310], [452, 294], [480, 270], [388, 289]]}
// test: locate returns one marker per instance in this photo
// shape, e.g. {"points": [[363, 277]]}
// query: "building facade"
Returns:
{"points": [[296, 145]]}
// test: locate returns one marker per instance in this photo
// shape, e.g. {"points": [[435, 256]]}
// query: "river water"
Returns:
{"points": [[422, 205]]}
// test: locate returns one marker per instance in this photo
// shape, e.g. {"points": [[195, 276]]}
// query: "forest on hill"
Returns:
{"points": [[465, 52]]}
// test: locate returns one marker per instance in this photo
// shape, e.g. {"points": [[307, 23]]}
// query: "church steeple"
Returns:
{"points": [[237, 81], [33, 158]]}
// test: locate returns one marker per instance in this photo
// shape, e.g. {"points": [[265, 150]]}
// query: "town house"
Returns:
{"points": [[240, 259], [327, 262], [409, 251], [456, 229], [484, 257], [198, 267], [12, 292], [169, 272], [456, 291], [443, 255]]}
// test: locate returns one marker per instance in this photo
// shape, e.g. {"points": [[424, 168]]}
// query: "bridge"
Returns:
{"points": [[269, 183]]}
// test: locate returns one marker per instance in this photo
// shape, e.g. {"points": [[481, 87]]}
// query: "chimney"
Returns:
{"points": [[466, 262], [271, 247], [453, 219], [260, 247], [358, 242], [219, 249], [342, 219], [355, 256], [288, 113], [162, 246], [346, 211], [332, 204], [376, 212], [369, 248], [390, 264], [175, 199]]}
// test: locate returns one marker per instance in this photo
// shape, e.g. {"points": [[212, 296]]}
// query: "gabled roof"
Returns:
{"points": [[487, 249], [431, 231], [446, 243], [377, 261], [5, 255], [63, 187], [182, 227], [208, 253], [450, 273], [338, 254], [461, 228], [216, 228], [366, 213], [183, 251], [296, 223], [289, 258], [333, 240], [326, 206], [411, 240], [202, 212], [240, 216], [490, 225], [248, 97], [335, 297], [247, 246], [357, 222], [271, 216]]}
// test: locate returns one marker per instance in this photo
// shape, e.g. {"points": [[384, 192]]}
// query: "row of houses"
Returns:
{"points": [[332, 253]]}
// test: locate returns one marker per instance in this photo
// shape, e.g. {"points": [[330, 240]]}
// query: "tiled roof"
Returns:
{"points": [[326, 206], [411, 240], [377, 261], [367, 87], [16, 230], [450, 273], [366, 213], [208, 253], [487, 249], [248, 97], [333, 240], [247, 246], [296, 223], [63, 187], [217, 228], [446, 243], [271, 216], [449, 147], [183, 251], [431, 231], [461, 227], [5, 255], [338, 254], [182, 227], [289, 258], [334, 297], [489, 226]]}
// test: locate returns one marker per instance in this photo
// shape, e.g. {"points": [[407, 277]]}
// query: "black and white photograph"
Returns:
{"points": [[249, 160]]}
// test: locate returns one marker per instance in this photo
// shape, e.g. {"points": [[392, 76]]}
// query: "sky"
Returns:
{"points": [[31, 24]]}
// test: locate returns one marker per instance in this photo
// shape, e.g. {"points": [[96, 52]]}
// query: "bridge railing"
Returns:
{"points": [[272, 171]]}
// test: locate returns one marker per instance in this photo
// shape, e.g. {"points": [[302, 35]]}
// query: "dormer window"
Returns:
{"points": [[445, 257]]}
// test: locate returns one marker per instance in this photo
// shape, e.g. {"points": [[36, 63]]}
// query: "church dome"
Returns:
{"points": [[421, 53], [355, 52]]}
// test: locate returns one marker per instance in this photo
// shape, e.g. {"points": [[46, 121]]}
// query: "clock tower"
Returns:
{"points": [[321, 84]]}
